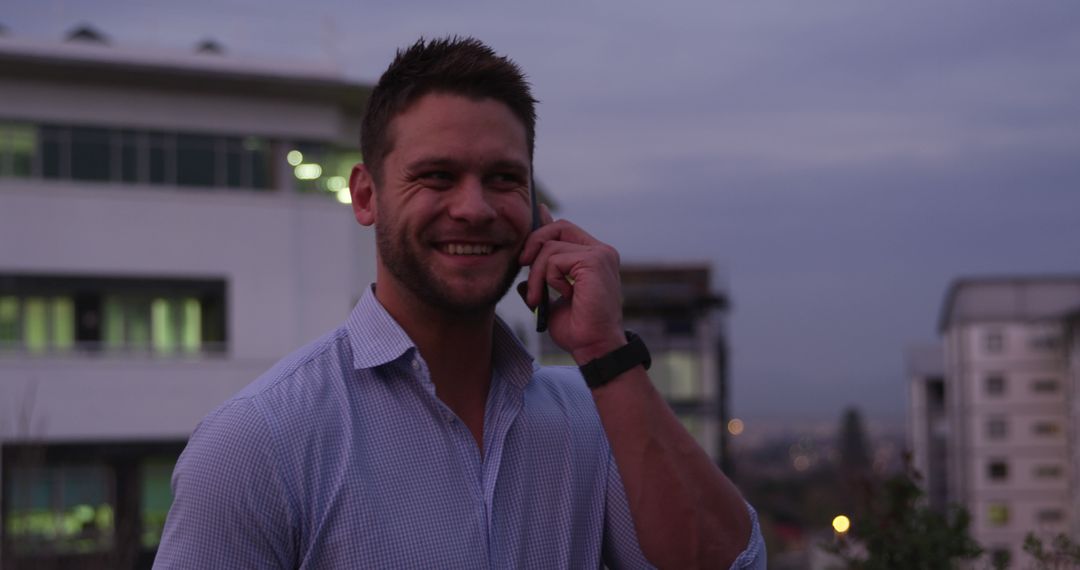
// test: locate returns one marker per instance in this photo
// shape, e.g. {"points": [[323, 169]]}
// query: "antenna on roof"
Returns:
{"points": [[210, 46], [86, 33]]}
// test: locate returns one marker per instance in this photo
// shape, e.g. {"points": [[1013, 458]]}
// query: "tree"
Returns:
{"points": [[1063, 552], [895, 529]]}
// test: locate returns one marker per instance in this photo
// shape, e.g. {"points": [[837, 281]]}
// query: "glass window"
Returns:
{"points": [[62, 509], [63, 323], [1050, 516], [1045, 386], [998, 470], [90, 156], [130, 156], [9, 322], [161, 158], [994, 341], [196, 160], [1048, 471], [1046, 428], [320, 168], [191, 323], [995, 385], [54, 152], [35, 324], [258, 162], [18, 148], [154, 482], [997, 428], [997, 514]]}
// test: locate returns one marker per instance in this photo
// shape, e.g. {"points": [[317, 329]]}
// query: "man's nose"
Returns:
{"points": [[470, 202]]}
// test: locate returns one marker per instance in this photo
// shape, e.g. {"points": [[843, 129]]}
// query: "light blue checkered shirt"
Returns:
{"points": [[341, 456]]}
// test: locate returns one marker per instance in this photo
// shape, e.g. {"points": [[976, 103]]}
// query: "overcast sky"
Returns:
{"points": [[838, 162]]}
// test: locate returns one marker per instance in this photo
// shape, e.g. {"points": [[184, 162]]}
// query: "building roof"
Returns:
{"points": [[99, 63], [669, 286], [1009, 298]]}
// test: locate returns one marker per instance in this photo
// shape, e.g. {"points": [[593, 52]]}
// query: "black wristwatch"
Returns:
{"points": [[600, 371]]}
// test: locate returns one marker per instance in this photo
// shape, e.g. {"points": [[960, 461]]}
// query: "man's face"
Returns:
{"points": [[453, 203]]}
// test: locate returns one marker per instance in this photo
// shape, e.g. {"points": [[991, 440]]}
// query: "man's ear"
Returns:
{"points": [[362, 190]]}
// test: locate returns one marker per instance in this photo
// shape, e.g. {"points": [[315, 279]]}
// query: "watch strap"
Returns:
{"points": [[600, 371]]}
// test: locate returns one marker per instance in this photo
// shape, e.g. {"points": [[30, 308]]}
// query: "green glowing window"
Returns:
{"points": [[18, 147], [154, 478], [35, 324], [997, 514], [9, 321], [60, 509]]}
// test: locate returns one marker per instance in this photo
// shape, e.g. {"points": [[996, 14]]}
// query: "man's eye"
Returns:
{"points": [[437, 178], [505, 181]]}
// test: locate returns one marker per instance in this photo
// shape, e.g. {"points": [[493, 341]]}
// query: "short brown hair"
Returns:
{"points": [[455, 65]]}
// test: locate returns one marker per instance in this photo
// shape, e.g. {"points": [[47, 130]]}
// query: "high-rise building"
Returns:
{"points": [[170, 225], [1005, 409], [679, 315]]}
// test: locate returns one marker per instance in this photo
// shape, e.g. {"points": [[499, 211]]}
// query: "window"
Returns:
{"points": [[1048, 471], [101, 154], [1045, 342], [1045, 386], [995, 385], [60, 508], [997, 514], [18, 149], [156, 494], [677, 374], [1046, 428], [994, 342], [319, 168], [42, 314], [997, 470], [997, 428], [1050, 516]]}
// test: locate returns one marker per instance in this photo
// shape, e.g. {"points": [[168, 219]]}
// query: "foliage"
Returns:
{"points": [[895, 529], [1063, 552]]}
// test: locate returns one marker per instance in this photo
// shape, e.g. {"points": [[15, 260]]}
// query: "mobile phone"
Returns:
{"points": [[541, 310]]}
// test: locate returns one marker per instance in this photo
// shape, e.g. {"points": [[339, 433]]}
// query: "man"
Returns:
{"points": [[421, 434]]}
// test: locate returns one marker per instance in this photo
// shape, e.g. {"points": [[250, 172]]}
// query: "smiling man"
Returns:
{"points": [[421, 434]]}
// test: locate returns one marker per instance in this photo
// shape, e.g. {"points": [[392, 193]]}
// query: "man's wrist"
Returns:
{"points": [[588, 353]]}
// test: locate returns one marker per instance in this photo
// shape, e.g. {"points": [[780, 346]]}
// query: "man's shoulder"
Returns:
{"points": [[563, 383]]}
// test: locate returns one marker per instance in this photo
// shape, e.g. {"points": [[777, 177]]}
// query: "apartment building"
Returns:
{"points": [[679, 315], [1005, 409], [171, 224]]}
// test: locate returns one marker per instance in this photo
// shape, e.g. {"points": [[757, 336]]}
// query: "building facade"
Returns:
{"points": [[681, 319], [1007, 410], [170, 226]]}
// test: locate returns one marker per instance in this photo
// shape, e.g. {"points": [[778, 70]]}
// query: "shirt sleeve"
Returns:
{"points": [[230, 506], [621, 548]]}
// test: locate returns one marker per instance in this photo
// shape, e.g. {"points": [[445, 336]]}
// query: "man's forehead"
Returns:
{"points": [[478, 122]]}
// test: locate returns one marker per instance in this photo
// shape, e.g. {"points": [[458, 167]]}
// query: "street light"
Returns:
{"points": [[841, 524]]}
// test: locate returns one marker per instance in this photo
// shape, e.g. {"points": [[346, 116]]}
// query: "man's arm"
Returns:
{"points": [[230, 508], [686, 512]]}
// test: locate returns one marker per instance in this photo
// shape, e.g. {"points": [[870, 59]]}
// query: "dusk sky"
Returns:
{"points": [[838, 162]]}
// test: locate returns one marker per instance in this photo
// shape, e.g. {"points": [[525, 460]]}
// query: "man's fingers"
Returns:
{"points": [[545, 215], [539, 272], [561, 230]]}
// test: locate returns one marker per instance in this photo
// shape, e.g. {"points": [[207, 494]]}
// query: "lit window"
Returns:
{"points": [[154, 476], [997, 514], [677, 374], [61, 509], [994, 342], [998, 470], [995, 385]]}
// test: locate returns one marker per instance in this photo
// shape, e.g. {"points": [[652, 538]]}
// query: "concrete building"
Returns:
{"points": [[1009, 355], [681, 319], [169, 228]]}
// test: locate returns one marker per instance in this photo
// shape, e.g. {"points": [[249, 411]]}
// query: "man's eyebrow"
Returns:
{"points": [[517, 167]]}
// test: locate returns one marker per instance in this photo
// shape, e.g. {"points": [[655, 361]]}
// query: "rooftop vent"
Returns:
{"points": [[210, 46], [86, 33]]}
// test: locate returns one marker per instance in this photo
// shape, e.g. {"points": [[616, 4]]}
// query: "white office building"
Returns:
{"points": [[999, 424], [169, 227]]}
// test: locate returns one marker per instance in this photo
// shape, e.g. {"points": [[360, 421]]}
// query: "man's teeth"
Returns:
{"points": [[467, 249]]}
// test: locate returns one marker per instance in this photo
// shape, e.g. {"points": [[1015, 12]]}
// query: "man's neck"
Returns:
{"points": [[456, 347]]}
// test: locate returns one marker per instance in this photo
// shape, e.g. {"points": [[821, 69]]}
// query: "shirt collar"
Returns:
{"points": [[377, 339]]}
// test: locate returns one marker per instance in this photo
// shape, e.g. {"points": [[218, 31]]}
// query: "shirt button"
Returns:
{"points": [[416, 364]]}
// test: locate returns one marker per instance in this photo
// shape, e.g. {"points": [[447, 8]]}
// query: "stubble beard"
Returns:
{"points": [[401, 258]]}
